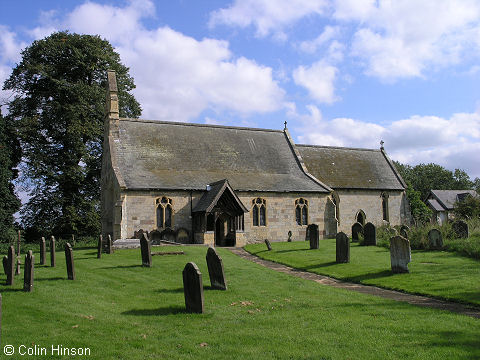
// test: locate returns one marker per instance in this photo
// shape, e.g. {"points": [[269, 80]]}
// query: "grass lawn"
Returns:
{"points": [[120, 310], [440, 274]]}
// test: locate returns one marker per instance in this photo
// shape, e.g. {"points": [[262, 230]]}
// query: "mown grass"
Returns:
{"points": [[439, 274], [123, 311]]}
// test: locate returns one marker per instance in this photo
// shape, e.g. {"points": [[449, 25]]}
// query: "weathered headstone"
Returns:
{"points": [[182, 236], [99, 246], [193, 288], [155, 236], [28, 271], [269, 246], [435, 240], [109, 246], [404, 229], [43, 251], [370, 234], [146, 249], [460, 228], [400, 254], [168, 234], [289, 236], [357, 228], [69, 261], [343, 248], [314, 236], [52, 251], [11, 266], [17, 270], [5, 264], [215, 270]]}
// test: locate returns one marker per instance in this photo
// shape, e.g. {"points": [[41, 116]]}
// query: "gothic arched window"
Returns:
{"points": [[301, 211], [164, 213], [259, 212]]}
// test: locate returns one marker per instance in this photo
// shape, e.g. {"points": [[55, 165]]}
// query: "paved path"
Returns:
{"points": [[364, 289]]}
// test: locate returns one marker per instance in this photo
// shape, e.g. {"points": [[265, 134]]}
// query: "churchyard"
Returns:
{"points": [[118, 307]]}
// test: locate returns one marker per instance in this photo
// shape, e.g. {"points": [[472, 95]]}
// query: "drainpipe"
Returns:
{"points": [[191, 217]]}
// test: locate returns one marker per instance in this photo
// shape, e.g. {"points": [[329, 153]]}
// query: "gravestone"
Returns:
{"points": [[155, 236], [460, 228], [108, 245], [269, 246], [215, 270], [17, 270], [69, 261], [52, 251], [357, 228], [5, 264], [182, 236], [369, 234], [404, 229], [314, 236], [435, 240], [11, 266], [146, 249], [289, 236], [343, 248], [99, 247], [43, 251], [168, 234], [193, 288], [28, 272], [400, 254]]}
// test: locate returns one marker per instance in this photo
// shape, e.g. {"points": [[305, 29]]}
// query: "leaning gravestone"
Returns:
{"points": [[69, 260], [193, 288], [460, 228], [435, 240], [370, 234], [43, 251], [289, 236], [400, 254], [99, 247], [11, 266], [404, 229], [28, 272], [52, 251], [343, 248], [108, 245], [314, 236], [357, 228], [146, 249], [269, 246], [215, 270]]}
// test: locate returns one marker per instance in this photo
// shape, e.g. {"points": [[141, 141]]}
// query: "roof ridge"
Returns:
{"points": [[177, 123], [337, 147]]}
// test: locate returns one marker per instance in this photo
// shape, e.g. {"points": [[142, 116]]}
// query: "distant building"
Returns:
{"points": [[225, 185], [441, 202]]}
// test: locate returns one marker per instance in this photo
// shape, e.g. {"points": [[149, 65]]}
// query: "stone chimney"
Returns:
{"points": [[112, 95]]}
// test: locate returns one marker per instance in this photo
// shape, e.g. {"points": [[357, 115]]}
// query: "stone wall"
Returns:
{"points": [[370, 201]]}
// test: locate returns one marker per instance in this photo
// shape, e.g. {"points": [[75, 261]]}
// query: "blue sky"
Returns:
{"points": [[341, 72]]}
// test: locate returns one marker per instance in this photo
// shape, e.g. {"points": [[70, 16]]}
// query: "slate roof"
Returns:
{"points": [[211, 197], [168, 155], [351, 168], [447, 198], [435, 205]]}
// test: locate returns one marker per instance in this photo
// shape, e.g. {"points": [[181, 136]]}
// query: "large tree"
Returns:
{"points": [[10, 155], [59, 110]]}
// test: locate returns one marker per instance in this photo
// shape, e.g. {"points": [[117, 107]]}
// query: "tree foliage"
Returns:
{"points": [[469, 208], [59, 110], [10, 155], [425, 177]]}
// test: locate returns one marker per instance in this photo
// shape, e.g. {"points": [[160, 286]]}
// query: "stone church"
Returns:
{"points": [[228, 186]]}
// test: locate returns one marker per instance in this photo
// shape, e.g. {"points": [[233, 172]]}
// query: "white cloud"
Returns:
{"points": [[318, 79], [180, 76], [328, 34], [265, 15], [452, 143], [402, 39]]}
